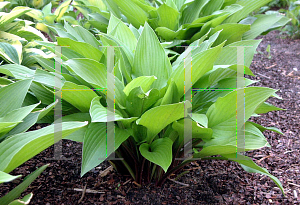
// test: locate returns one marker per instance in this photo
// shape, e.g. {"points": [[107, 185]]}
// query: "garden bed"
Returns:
{"points": [[208, 182]]}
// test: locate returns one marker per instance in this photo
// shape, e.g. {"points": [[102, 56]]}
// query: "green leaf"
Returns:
{"points": [[262, 24], [7, 18], [165, 33], [159, 117], [137, 102], [228, 55], [216, 150], [89, 70], [3, 4], [262, 128], [25, 200], [119, 30], [17, 71], [82, 48], [211, 7], [248, 7], [168, 17], [16, 192], [150, 59], [48, 78], [197, 130], [192, 11], [15, 93], [101, 114], [222, 114], [227, 144], [61, 9], [231, 32], [79, 96], [144, 81], [249, 166], [202, 63], [4, 177], [19, 148], [135, 14], [159, 152], [16, 115], [87, 36], [200, 118], [31, 119], [42, 93], [266, 107], [171, 96], [94, 149], [10, 53], [78, 135]]}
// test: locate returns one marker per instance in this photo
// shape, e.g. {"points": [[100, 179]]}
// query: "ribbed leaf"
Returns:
{"points": [[7, 18], [202, 63], [94, 149], [230, 32], [135, 14], [150, 58], [228, 55], [262, 24], [211, 7], [61, 9], [159, 152], [82, 48], [197, 131], [100, 114], [90, 70], [17, 71], [159, 117], [248, 7], [266, 107], [31, 119], [122, 32], [168, 17], [15, 93], [19, 148], [193, 11], [10, 53], [144, 81], [79, 96]]}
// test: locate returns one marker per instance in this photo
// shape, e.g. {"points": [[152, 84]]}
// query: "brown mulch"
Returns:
{"points": [[210, 182]]}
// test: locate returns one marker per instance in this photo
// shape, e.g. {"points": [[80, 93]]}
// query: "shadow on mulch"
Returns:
{"points": [[209, 182]]}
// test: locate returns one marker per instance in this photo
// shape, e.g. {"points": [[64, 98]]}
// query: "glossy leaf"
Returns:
{"points": [[159, 152], [14, 92], [144, 81], [19, 148], [102, 114], [94, 149], [90, 70], [78, 95], [150, 59], [159, 117]]}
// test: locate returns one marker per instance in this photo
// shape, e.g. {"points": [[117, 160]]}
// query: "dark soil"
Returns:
{"points": [[209, 182]]}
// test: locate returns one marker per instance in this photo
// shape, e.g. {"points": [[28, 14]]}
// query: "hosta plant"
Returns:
{"points": [[150, 111], [19, 111], [10, 198], [293, 12], [17, 37], [184, 20]]}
